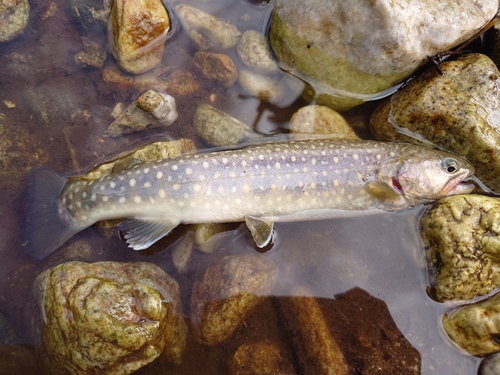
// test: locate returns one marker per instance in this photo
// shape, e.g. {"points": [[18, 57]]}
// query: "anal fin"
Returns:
{"points": [[142, 233], [262, 230]]}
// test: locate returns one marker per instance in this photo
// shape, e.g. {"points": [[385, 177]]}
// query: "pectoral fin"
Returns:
{"points": [[261, 230], [142, 233], [382, 191], [125, 163]]}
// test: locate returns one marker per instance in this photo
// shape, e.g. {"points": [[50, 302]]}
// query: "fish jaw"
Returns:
{"points": [[459, 184]]}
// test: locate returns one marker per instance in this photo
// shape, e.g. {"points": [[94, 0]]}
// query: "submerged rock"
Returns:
{"points": [[19, 360], [316, 121], [475, 327], [7, 334], [229, 291], [355, 49], [217, 66], [109, 317], [490, 365], [317, 351], [14, 15], [92, 56], [217, 128], [461, 235], [269, 89], [458, 111], [260, 358], [150, 110], [205, 30], [88, 15], [255, 53], [137, 31]]}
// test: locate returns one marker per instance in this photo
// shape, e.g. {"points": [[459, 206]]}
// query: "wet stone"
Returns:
{"points": [[475, 327], [206, 236], [255, 53], [109, 317], [269, 89], [150, 110], [260, 358], [323, 41], [217, 67], [461, 235], [14, 15], [182, 250], [217, 128], [458, 111], [137, 31], [88, 16], [318, 121], [92, 56], [228, 293], [490, 365], [19, 360], [206, 31], [359, 324]]}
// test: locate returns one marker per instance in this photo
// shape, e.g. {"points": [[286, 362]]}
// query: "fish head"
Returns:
{"points": [[427, 175]]}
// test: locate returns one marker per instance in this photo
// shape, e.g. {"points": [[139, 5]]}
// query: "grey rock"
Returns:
{"points": [[14, 16], [255, 53]]}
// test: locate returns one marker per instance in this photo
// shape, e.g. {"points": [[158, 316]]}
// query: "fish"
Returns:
{"points": [[259, 185]]}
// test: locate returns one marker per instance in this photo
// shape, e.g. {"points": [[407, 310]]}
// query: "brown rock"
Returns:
{"points": [[218, 67], [92, 56], [359, 324], [228, 293], [260, 358], [137, 32]]}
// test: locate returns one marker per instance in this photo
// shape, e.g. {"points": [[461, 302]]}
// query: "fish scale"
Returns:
{"points": [[260, 184]]}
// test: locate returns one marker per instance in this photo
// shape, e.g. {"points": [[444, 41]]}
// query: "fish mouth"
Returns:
{"points": [[459, 185]]}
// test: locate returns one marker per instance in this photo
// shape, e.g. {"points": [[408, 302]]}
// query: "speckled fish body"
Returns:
{"points": [[258, 184]]}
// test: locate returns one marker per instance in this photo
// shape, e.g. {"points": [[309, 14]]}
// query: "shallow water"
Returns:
{"points": [[381, 254]]}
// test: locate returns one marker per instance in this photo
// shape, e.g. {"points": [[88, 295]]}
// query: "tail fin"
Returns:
{"points": [[45, 228]]}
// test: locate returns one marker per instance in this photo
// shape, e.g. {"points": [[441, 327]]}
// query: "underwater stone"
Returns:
{"points": [[458, 111], [269, 89], [205, 30], [109, 317], [150, 110], [475, 327], [229, 291], [316, 121], [217, 66], [259, 358], [92, 56], [355, 49], [461, 235], [14, 15], [217, 128], [490, 365], [137, 30], [255, 53]]}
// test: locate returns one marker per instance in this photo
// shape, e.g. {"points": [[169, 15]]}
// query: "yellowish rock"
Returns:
{"points": [[137, 31], [109, 317], [461, 235], [318, 121], [217, 66], [260, 358], [475, 327]]}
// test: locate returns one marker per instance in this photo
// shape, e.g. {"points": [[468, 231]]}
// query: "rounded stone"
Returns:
{"points": [[109, 317], [217, 66], [461, 235], [475, 328], [255, 53], [318, 121], [229, 291], [217, 128], [324, 43], [269, 89], [14, 16]]}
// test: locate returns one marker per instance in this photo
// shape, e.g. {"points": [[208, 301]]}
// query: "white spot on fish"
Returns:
{"points": [[196, 187], [313, 161], [189, 171], [102, 187], [336, 183], [112, 185], [147, 185], [244, 163], [216, 175], [378, 156], [159, 175], [175, 167], [79, 204], [161, 193], [176, 187], [132, 182], [122, 200], [181, 203], [246, 188], [105, 198], [84, 195], [224, 160], [335, 159], [202, 177], [355, 156], [146, 170], [277, 165], [205, 165]]}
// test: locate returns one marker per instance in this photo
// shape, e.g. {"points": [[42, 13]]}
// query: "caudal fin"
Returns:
{"points": [[45, 229]]}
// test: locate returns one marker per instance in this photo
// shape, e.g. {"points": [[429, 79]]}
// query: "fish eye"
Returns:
{"points": [[450, 165]]}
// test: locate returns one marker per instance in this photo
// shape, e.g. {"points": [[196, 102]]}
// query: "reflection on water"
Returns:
{"points": [[64, 111]]}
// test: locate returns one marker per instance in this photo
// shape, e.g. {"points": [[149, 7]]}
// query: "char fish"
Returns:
{"points": [[261, 184]]}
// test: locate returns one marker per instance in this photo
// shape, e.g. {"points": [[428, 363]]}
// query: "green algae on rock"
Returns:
{"points": [[109, 317], [354, 49], [475, 327], [458, 111], [461, 235]]}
